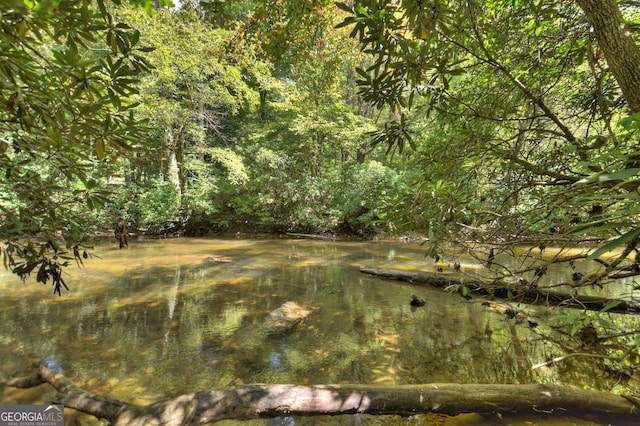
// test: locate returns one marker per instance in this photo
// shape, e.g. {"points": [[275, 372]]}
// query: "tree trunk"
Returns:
{"points": [[265, 401], [617, 45], [174, 175], [173, 168], [520, 293]]}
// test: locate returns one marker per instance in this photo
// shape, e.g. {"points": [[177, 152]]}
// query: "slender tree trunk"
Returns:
{"points": [[174, 173], [171, 143], [617, 45], [182, 173]]}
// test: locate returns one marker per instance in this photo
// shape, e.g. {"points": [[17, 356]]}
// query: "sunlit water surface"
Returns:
{"points": [[158, 319]]}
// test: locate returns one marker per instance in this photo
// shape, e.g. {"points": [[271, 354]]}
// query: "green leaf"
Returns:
{"points": [[363, 74], [347, 21], [631, 122], [612, 245], [607, 177], [576, 327], [612, 304], [635, 342], [344, 7], [619, 175], [361, 10]]}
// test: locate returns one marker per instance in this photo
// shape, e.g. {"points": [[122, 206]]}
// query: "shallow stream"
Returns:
{"points": [[161, 318]]}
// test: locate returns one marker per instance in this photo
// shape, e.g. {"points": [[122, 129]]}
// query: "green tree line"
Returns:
{"points": [[201, 118]]}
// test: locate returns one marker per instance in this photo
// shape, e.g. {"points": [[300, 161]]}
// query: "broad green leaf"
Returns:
{"points": [[610, 305], [614, 244], [631, 122], [619, 175]]}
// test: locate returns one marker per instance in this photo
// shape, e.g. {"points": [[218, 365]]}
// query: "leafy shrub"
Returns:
{"points": [[158, 205], [365, 188]]}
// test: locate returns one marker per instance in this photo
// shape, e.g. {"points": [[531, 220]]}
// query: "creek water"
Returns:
{"points": [[161, 318]]}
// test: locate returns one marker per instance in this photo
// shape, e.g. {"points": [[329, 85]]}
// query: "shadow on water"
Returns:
{"points": [[167, 317]]}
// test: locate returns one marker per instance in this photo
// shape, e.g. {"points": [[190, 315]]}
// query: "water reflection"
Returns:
{"points": [[165, 317]]}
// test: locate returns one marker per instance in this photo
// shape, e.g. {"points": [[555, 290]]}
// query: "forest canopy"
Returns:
{"points": [[484, 123]]}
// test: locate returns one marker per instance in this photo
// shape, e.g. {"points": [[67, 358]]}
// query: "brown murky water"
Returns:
{"points": [[159, 319]]}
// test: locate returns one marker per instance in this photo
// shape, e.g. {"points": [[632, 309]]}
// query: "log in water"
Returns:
{"points": [[519, 293]]}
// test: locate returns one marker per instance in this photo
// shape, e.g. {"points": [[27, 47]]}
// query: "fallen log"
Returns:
{"points": [[320, 237], [512, 291], [246, 402]]}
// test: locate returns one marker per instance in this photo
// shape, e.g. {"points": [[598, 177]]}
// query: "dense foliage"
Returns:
{"points": [[490, 124], [193, 119], [264, 116], [68, 75], [523, 129], [522, 121]]}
